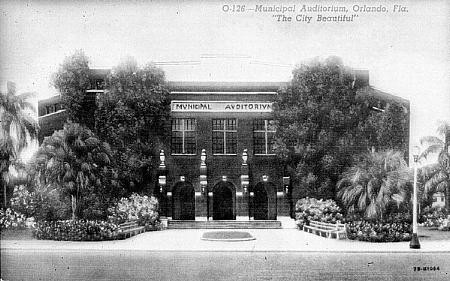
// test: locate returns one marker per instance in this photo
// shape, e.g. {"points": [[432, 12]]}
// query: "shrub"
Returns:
{"points": [[10, 219], [23, 201], [308, 209], [76, 230], [444, 225], [379, 232], [433, 216], [143, 209]]}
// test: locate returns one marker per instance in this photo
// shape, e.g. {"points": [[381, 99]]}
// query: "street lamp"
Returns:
{"points": [[414, 244]]}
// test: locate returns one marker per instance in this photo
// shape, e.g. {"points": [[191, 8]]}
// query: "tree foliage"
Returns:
{"points": [[376, 180], [132, 117], [75, 162], [72, 81], [437, 175], [322, 122], [317, 120], [17, 128], [388, 129]]}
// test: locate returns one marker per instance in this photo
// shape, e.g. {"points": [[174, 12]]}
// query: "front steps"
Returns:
{"points": [[223, 224]]}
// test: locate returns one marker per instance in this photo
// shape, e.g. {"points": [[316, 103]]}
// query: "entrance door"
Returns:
{"points": [[184, 202], [223, 202], [261, 203]]}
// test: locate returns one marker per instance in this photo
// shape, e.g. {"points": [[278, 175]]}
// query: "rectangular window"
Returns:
{"points": [[184, 136], [263, 135], [224, 136], [49, 109], [99, 84]]}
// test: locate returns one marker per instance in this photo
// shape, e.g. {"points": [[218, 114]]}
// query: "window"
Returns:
{"points": [[183, 136], [48, 109], [99, 84], [224, 138], [263, 133]]}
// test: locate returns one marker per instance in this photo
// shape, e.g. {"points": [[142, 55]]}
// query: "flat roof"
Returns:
{"points": [[370, 91], [195, 86]]}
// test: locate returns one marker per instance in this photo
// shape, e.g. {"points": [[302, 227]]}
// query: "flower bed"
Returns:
{"points": [[76, 230], [308, 209], [379, 232], [24, 201], [436, 218], [10, 219], [142, 209]]}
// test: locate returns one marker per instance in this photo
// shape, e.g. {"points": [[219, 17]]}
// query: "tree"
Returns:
{"points": [[132, 117], [75, 162], [437, 175], [376, 180], [17, 128], [318, 116], [388, 129], [72, 81]]}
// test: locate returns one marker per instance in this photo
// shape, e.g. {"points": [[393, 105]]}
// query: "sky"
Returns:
{"points": [[406, 52]]}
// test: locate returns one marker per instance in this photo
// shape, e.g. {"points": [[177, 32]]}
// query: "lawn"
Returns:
{"points": [[432, 233]]}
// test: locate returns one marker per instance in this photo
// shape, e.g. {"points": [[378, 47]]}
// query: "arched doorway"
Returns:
{"points": [[223, 201], [264, 202], [183, 201], [260, 203]]}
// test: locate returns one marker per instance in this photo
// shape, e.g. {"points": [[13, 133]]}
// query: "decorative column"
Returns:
{"points": [[204, 180], [162, 182], [245, 180]]}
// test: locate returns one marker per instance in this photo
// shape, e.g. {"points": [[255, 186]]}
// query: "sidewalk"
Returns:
{"points": [[267, 240]]}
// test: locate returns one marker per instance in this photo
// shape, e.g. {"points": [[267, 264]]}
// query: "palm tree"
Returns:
{"points": [[376, 180], [437, 175], [17, 127], [77, 163]]}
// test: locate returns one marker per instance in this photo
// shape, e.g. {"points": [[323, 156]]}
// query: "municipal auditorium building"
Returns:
{"points": [[219, 164]]}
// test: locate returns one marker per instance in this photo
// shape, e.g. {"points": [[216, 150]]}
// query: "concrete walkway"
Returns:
{"points": [[267, 240]]}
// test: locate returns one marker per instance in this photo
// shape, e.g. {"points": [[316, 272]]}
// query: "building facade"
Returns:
{"points": [[219, 163]]}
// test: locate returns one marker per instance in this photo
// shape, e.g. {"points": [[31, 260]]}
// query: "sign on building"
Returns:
{"points": [[220, 106]]}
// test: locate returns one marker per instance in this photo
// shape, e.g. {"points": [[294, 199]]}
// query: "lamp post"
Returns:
{"points": [[414, 244]]}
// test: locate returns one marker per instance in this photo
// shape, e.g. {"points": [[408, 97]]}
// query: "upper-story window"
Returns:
{"points": [[263, 134], [184, 136], [48, 109], [224, 138], [51, 108], [99, 84]]}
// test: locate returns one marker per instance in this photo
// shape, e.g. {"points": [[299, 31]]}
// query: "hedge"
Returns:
{"points": [[308, 209], [378, 231], [76, 230]]}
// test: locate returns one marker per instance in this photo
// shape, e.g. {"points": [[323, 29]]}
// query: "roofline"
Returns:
{"points": [[377, 93], [196, 86], [54, 97]]}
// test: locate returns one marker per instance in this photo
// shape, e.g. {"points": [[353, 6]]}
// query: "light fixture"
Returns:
{"points": [[162, 158], [415, 153], [244, 157], [414, 243], [203, 156]]}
